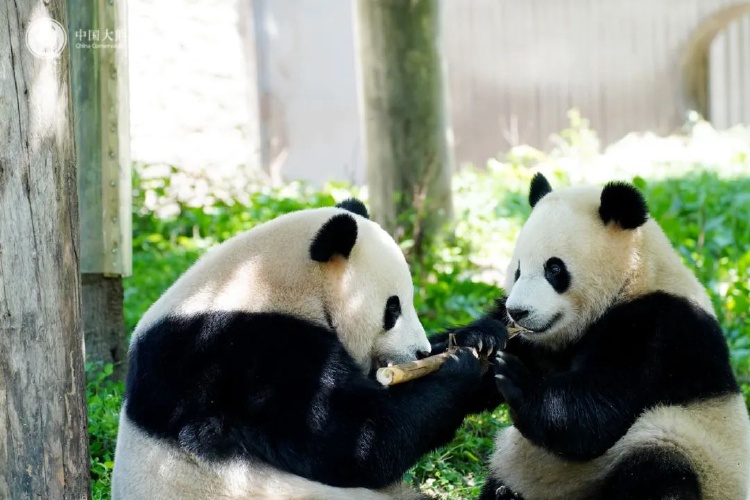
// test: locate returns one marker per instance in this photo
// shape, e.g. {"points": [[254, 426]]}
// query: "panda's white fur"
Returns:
{"points": [[146, 468], [269, 269], [215, 409], [713, 434], [609, 265]]}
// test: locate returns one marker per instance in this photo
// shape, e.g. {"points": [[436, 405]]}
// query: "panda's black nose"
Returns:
{"points": [[422, 354], [518, 314]]}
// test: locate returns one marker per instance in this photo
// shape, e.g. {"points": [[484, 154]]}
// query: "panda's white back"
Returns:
{"points": [[149, 469]]}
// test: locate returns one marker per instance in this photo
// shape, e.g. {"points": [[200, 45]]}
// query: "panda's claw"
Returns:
{"points": [[511, 363], [490, 348], [503, 370], [508, 388], [479, 345]]}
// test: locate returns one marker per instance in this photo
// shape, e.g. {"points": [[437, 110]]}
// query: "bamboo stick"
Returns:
{"points": [[398, 374]]}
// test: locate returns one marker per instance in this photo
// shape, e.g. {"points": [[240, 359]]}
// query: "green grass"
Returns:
{"points": [[705, 214], [104, 398]]}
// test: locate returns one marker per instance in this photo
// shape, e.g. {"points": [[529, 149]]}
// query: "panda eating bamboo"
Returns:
{"points": [[250, 378], [621, 386]]}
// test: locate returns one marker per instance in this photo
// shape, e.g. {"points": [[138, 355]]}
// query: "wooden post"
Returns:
{"points": [[404, 119], [100, 101], [43, 445]]}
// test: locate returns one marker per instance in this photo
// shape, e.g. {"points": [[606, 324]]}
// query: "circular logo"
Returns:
{"points": [[46, 38]]}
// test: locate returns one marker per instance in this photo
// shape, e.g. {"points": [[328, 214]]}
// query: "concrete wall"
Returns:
{"points": [[729, 75], [308, 90], [515, 67]]}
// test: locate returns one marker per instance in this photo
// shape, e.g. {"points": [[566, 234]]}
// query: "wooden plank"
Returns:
{"points": [[100, 91], [115, 136], [43, 427], [83, 15]]}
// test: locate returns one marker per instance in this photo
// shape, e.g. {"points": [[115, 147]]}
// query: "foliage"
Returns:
{"points": [[702, 207], [706, 218], [104, 399]]}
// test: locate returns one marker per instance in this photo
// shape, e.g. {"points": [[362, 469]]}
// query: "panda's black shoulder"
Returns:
{"points": [[181, 366], [675, 340], [658, 317]]}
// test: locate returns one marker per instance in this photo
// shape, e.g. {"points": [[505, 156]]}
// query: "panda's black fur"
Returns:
{"points": [[539, 187], [209, 384], [655, 352]]}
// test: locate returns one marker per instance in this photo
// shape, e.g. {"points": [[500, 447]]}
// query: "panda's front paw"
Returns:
{"points": [[486, 335], [513, 379], [462, 364]]}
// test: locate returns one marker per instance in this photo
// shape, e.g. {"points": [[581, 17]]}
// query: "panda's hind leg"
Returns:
{"points": [[652, 474]]}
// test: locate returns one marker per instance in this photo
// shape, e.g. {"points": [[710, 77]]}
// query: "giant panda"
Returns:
{"points": [[251, 377], [621, 387]]}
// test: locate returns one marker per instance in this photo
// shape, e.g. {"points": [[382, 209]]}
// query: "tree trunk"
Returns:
{"points": [[104, 322], [43, 446], [403, 108]]}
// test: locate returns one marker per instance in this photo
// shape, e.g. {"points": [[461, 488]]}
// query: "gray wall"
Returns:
{"points": [[307, 89], [515, 67]]}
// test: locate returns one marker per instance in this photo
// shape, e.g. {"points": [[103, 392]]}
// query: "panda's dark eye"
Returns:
{"points": [[392, 312], [518, 272], [557, 274]]}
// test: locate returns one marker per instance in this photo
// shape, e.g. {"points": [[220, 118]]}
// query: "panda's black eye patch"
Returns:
{"points": [[518, 272], [392, 312], [557, 274]]}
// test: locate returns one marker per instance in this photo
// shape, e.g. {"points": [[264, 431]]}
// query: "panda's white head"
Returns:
{"points": [[583, 250], [332, 266]]}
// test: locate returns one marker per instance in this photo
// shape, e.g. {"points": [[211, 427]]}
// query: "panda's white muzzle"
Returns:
{"points": [[535, 305]]}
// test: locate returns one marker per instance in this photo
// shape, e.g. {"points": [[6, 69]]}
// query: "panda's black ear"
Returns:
{"points": [[539, 188], [336, 237], [624, 204], [354, 206]]}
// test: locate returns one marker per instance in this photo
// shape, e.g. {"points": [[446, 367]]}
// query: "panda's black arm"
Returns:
{"points": [[352, 432], [578, 415], [378, 433], [285, 392], [581, 408]]}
